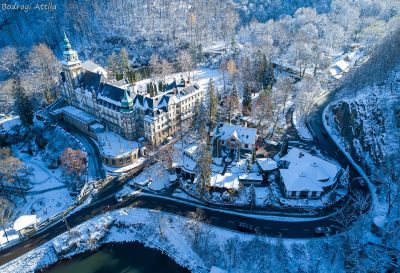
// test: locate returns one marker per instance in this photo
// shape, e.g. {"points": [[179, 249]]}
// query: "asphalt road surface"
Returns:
{"points": [[105, 201]]}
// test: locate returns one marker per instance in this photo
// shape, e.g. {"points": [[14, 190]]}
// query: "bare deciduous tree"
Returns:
{"points": [[45, 67], [74, 163], [186, 62]]}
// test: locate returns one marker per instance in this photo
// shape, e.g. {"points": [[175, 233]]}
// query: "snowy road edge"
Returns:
{"points": [[378, 217]]}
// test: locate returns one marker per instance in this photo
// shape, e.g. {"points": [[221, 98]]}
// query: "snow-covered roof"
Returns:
{"points": [[350, 56], [267, 164], [307, 172], [96, 126], [342, 65], [114, 145], [78, 114], [226, 181], [172, 177], [334, 71], [245, 135], [251, 176], [9, 122], [192, 151], [24, 221], [184, 162], [91, 66]]}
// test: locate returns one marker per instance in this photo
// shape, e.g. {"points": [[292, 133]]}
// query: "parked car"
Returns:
{"points": [[123, 196], [245, 227], [323, 231]]}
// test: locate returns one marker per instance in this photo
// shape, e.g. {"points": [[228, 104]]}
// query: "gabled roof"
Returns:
{"points": [[112, 92], [143, 102], [90, 66], [267, 164], [245, 135], [91, 80], [227, 181]]}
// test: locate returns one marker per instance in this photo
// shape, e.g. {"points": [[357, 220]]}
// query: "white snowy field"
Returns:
{"points": [[190, 244]]}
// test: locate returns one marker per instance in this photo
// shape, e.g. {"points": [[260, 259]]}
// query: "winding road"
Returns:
{"points": [[105, 200]]}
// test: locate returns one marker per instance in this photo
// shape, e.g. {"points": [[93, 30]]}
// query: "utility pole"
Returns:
{"points": [[66, 224]]}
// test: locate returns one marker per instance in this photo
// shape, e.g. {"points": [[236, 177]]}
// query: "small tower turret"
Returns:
{"points": [[69, 54], [72, 69], [126, 102]]}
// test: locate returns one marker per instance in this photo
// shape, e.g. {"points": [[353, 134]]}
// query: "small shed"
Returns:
{"points": [[251, 178], [25, 223], [266, 165]]}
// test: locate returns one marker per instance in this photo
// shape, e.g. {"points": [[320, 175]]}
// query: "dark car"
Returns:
{"points": [[246, 227]]}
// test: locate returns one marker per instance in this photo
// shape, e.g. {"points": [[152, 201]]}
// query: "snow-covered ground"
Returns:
{"points": [[301, 128], [155, 178], [379, 208], [202, 76], [6, 123], [176, 236], [48, 194], [112, 144]]}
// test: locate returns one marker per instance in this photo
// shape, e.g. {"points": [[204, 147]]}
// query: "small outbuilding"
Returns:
{"points": [[266, 165], [25, 224], [251, 178]]}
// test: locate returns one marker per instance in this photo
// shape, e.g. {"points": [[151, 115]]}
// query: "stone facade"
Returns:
{"points": [[120, 107]]}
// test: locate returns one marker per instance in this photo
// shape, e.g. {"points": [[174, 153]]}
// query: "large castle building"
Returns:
{"points": [[122, 107]]}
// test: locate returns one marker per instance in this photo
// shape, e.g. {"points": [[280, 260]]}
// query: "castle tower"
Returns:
{"points": [[72, 68]]}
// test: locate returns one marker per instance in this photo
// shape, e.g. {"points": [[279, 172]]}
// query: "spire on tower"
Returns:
{"points": [[67, 45]]}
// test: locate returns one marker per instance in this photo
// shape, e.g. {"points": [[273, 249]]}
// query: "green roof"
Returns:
{"points": [[126, 100]]}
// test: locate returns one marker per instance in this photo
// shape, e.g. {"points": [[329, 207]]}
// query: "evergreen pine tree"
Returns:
{"points": [[212, 106], [154, 89], [235, 93], [246, 103], [262, 68], [160, 86], [251, 196], [199, 117], [113, 64], [124, 61], [235, 49], [232, 102], [23, 104], [204, 169], [269, 76], [205, 159]]}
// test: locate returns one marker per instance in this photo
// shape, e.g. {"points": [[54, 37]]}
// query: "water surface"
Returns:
{"points": [[118, 258]]}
